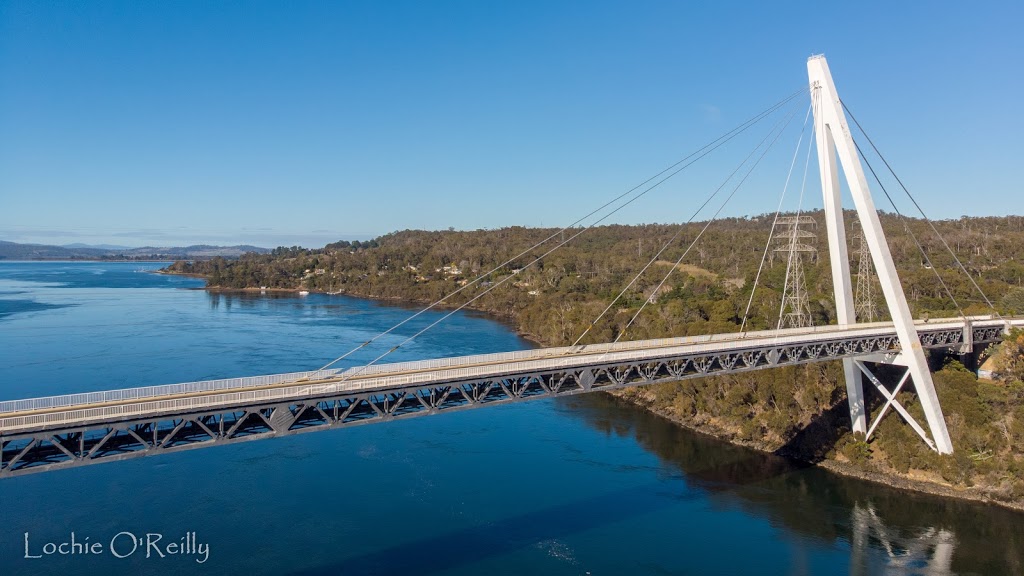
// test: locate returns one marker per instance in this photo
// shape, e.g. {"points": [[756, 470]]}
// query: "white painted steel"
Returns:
{"points": [[833, 128], [890, 398], [837, 249]]}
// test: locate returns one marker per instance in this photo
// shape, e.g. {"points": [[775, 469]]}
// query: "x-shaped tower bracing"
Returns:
{"points": [[834, 140]]}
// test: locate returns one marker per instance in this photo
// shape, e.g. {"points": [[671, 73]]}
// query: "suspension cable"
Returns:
{"points": [[792, 239], [921, 211], [679, 231], [542, 256], [903, 220], [778, 210], [702, 151], [706, 226]]}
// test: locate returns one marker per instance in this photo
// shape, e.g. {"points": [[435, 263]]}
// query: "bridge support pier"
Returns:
{"points": [[890, 400], [968, 354], [855, 395], [834, 139]]}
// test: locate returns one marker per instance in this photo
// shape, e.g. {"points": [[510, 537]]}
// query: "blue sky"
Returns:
{"points": [[271, 123]]}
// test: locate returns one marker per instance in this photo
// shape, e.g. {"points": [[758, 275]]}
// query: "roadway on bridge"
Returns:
{"points": [[68, 410]]}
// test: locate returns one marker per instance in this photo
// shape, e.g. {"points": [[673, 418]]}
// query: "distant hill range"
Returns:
{"points": [[15, 251]]}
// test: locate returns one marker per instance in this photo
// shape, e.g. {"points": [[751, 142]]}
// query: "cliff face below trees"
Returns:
{"points": [[794, 411]]}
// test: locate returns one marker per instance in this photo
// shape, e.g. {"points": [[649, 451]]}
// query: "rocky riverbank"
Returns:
{"points": [[732, 428], [915, 480]]}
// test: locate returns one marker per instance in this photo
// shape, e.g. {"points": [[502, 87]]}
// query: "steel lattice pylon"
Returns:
{"points": [[793, 242], [864, 298]]}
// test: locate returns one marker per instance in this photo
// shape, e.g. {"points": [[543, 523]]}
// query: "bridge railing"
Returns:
{"points": [[123, 394], [937, 324], [437, 363], [434, 372], [556, 357], [299, 391]]}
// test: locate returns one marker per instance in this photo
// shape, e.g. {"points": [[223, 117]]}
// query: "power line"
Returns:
{"points": [[778, 210], [795, 283]]}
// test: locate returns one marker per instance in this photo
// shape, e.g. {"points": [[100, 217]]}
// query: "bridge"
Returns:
{"points": [[77, 429], [41, 434]]}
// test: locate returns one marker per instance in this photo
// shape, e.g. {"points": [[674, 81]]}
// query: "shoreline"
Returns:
{"points": [[494, 315], [896, 481], [90, 260]]}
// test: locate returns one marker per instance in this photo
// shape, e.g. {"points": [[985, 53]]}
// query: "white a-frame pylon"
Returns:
{"points": [[834, 139]]}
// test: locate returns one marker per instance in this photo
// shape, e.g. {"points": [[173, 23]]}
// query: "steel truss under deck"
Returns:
{"points": [[54, 448]]}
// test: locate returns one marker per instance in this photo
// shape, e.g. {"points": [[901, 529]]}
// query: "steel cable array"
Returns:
{"points": [[672, 170], [700, 234], [923, 215], [784, 122]]}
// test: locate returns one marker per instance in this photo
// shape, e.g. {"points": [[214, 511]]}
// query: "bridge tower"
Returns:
{"points": [[834, 139]]}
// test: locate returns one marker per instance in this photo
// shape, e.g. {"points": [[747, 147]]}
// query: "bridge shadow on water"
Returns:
{"points": [[795, 497], [445, 551], [709, 469], [800, 498]]}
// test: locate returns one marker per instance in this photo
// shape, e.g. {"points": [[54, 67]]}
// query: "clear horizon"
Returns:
{"points": [[270, 125]]}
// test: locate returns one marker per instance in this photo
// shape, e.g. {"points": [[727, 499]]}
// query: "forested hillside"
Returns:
{"points": [[559, 295], [799, 411]]}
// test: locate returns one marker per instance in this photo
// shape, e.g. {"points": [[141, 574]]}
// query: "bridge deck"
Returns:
{"points": [[39, 434], [88, 408]]}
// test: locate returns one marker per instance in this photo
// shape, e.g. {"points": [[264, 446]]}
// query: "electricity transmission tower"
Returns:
{"points": [[864, 299], [793, 242]]}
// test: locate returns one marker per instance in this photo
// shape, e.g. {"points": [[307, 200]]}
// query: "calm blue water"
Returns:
{"points": [[577, 486]]}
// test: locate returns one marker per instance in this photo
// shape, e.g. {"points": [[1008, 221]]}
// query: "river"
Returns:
{"points": [[583, 485]]}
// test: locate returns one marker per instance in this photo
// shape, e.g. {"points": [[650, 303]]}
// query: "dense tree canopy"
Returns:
{"points": [[558, 295], [555, 296]]}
